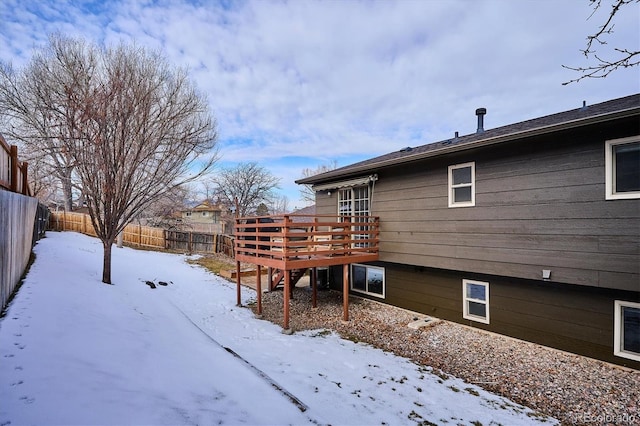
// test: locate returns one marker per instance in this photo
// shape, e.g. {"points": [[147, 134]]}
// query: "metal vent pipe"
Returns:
{"points": [[480, 112]]}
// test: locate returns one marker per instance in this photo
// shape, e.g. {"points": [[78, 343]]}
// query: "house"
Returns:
{"points": [[530, 230], [206, 217]]}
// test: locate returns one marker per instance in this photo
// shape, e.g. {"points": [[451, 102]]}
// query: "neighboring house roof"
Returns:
{"points": [[306, 214], [588, 114], [306, 211]]}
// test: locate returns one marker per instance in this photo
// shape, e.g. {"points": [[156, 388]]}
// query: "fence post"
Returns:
{"points": [[14, 168], [190, 241], [25, 182]]}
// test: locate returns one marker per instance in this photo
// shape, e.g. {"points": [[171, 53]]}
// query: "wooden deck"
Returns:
{"points": [[291, 243]]}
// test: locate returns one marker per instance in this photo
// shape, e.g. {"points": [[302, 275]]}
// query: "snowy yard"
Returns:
{"points": [[76, 351]]}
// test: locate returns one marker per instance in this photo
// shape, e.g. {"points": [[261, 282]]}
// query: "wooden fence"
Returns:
{"points": [[199, 242], [148, 237], [13, 172], [17, 217]]}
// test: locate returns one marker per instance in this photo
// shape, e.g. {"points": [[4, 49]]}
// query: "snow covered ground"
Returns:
{"points": [[76, 351]]}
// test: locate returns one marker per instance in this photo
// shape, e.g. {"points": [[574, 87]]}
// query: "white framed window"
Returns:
{"points": [[368, 280], [475, 297], [353, 204], [622, 168], [626, 330], [354, 201], [188, 214], [462, 185]]}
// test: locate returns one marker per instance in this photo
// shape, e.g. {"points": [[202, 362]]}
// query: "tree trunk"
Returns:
{"points": [[67, 192], [106, 265]]}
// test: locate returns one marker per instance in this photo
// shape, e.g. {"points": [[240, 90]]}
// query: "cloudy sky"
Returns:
{"points": [[298, 84]]}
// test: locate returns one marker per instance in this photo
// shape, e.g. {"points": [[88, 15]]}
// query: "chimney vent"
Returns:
{"points": [[480, 112]]}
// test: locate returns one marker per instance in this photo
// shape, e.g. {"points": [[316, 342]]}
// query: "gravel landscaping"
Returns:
{"points": [[572, 388]]}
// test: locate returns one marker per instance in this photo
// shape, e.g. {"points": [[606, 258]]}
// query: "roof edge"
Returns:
{"points": [[600, 118]]}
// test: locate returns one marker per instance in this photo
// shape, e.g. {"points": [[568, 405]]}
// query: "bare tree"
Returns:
{"points": [[623, 57], [279, 204], [133, 127], [33, 109], [306, 191], [42, 179], [249, 183], [161, 212]]}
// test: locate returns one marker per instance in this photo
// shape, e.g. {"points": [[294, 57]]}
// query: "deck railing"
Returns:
{"points": [[291, 241]]}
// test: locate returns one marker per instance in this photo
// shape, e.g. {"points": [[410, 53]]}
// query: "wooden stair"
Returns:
{"points": [[278, 278]]}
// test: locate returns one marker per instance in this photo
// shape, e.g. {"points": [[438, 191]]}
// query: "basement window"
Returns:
{"points": [[626, 327], [368, 280], [462, 180], [475, 296], [622, 168]]}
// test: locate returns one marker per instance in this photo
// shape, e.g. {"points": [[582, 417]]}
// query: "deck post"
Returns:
{"points": [[239, 303], [259, 289], [287, 287], [270, 277], [345, 292], [314, 287]]}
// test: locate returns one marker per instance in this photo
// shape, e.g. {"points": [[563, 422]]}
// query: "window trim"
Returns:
{"points": [[451, 187], [609, 171], [465, 300], [617, 330], [367, 267]]}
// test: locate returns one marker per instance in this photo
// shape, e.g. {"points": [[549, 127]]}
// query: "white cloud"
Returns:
{"points": [[328, 80]]}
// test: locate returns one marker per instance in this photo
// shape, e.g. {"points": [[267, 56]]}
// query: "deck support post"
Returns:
{"points": [[314, 287], [270, 277], [286, 294], [239, 299], [345, 292], [259, 289]]}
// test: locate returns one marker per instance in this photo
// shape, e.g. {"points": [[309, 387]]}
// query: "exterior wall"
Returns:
{"points": [[540, 204], [202, 216], [327, 204], [208, 228], [567, 317], [203, 220]]}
